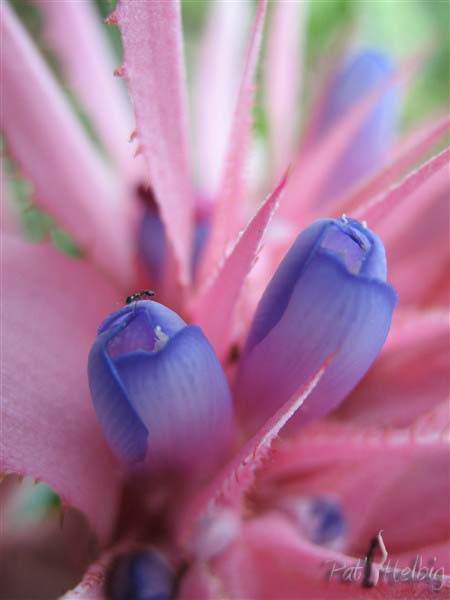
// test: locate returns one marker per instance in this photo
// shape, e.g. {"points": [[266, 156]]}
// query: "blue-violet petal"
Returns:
{"points": [[329, 296], [159, 390]]}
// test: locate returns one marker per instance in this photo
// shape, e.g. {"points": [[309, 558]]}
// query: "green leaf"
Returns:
{"points": [[65, 243], [36, 224]]}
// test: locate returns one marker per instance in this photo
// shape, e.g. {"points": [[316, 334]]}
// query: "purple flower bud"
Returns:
{"points": [[329, 295], [153, 245], [327, 523], [153, 240], [319, 518], [159, 390], [140, 575], [362, 73], [201, 234]]}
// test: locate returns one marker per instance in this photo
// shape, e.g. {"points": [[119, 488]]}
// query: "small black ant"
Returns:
{"points": [[139, 296]]}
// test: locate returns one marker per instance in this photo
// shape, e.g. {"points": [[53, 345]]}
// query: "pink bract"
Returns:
{"points": [[384, 454]]}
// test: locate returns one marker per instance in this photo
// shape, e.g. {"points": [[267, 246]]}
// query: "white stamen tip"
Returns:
{"points": [[344, 218], [161, 338], [364, 224]]}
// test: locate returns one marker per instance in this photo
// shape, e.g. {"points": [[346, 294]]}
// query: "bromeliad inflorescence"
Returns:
{"points": [[158, 387], [192, 499]]}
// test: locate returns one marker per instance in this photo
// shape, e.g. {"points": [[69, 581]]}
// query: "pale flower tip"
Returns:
{"points": [[361, 250]]}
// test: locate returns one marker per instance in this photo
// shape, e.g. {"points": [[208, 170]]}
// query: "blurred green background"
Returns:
{"points": [[399, 27]]}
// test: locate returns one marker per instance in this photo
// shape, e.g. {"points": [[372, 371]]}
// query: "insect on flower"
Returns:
{"points": [[142, 295]]}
